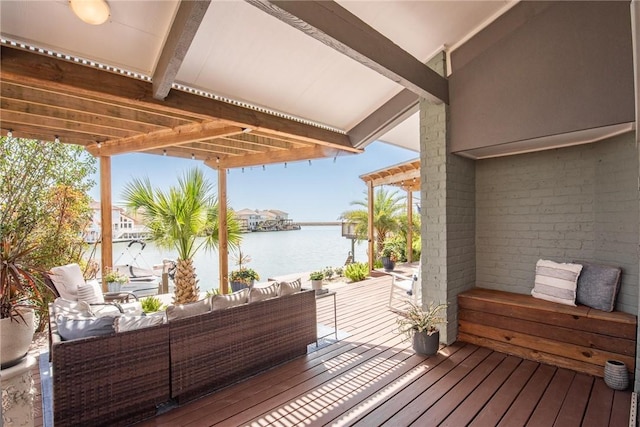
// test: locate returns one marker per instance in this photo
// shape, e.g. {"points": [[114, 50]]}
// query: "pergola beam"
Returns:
{"points": [[164, 138], [185, 25], [44, 71], [269, 157], [335, 26]]}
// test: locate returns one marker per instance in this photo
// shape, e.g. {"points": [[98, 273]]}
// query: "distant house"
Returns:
{"points": [[265, 220], [123, 226], [249, 219]]}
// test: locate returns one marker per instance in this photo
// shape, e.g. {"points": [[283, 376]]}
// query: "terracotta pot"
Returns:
{"points": [[15, 337], [426, 344]]}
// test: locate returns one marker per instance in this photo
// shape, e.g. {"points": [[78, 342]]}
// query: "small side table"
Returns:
{"points": [[335, 314], [18, 393]]}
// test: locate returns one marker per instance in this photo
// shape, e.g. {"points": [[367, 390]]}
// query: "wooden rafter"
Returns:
{"points": [[48, 73], [405, 175], [164, 138], [275, 156], [335, 26], [185, 25]]}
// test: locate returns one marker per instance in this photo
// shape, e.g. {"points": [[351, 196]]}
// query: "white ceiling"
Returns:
{"points": [[245, 54]]}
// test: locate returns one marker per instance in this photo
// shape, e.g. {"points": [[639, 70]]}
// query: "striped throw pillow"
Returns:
{"points": [[90, 292], [556, 282]]}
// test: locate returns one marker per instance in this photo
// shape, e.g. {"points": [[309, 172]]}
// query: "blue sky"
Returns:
{"points": [[320, 192]]}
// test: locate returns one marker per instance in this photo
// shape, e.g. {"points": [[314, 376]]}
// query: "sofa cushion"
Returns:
{"points": [[260, 294], [131, 323], [66, 279], [66, 307], [181, 311], [220, 302], [598, 286], [90, 292], [556, 282], [76, 327], [288, 288]]}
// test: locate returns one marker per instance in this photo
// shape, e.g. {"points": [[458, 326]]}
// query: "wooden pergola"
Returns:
{"points": [[111, 111], [403, 175]]}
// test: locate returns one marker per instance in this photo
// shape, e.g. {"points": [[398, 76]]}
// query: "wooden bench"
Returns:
{"points": [[577, 338]]}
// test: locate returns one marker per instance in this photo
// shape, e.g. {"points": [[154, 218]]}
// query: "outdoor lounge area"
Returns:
{"points": [[525, 122], [371, 377]]}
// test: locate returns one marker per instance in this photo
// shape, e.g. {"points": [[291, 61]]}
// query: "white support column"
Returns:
{"points": [[635, 38]]}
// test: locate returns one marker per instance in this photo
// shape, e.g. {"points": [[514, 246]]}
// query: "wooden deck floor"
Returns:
{"points": [[372, 378]]}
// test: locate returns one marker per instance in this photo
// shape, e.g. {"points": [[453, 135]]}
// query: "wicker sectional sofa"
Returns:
{"points": [[123, 377]]}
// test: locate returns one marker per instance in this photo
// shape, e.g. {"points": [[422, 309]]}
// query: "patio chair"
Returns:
{"points": [[68, 283], [404, 288]]}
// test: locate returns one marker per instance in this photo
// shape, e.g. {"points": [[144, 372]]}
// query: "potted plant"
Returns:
{"points": [[316, 280], [115, 280], [421, 325], [243, 278], [19, 294], [388, 256]]}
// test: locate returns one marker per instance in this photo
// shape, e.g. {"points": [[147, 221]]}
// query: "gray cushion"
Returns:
{"points": [[598, 286], [220, 302], [73, 328]]}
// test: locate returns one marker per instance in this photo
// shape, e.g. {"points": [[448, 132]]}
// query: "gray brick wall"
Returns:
{"points": [[448, 207], [576, 203]]}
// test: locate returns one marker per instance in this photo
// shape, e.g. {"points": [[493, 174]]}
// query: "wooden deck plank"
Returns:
{"points": [[577, 398], [600, 402], [521, 409], [430, 395], [372, 377], [471, 406], [547, 410], [493, 412], [448, 403]]}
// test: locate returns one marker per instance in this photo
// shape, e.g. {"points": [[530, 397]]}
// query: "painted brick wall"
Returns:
{"points": [[576, 203], [448, 208]]}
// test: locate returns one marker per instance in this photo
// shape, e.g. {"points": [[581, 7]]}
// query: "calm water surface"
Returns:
{"points": [[275, 253]]}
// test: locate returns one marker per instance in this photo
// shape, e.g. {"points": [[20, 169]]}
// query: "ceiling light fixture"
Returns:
{"points": [[246, 130], [217, 159], [57, 139], [193, 156], [10, 133], [99, 144], [164, 153], [94, 12]]}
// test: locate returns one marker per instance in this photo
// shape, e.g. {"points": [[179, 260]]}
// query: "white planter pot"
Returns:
{"points": [[114, 286], [316, 284], [16, 337]]}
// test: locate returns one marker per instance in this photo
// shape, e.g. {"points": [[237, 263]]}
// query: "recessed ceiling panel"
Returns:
{"points": [[131, 39]]}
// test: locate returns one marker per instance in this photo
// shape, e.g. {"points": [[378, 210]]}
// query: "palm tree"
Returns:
{"points": [[387, 209], [184, 218]]}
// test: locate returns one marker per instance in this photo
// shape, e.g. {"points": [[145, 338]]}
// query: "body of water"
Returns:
{"points": [[272, 254]]}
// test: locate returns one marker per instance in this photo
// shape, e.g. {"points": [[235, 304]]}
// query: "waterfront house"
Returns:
{"points": [[525, 117], [124, 227]]}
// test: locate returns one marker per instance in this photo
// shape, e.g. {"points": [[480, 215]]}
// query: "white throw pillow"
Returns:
{"points": [[181, 311], [66, 279], [260, 294], [63, 306], [288, 288], [90, 292], [220, 302], [131, 323], [556, 282]]}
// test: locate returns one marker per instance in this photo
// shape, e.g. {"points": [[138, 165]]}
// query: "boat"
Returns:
{"points": [[143, 281]]}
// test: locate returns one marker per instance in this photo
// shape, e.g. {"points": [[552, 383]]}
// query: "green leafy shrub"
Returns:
{"points": [[316, 275], [357, 271], [328, 272], [152, 304]]}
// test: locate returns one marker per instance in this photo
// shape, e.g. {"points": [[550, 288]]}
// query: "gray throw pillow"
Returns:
{"points": [[598, 286], [181, 311], [73, 328]]}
